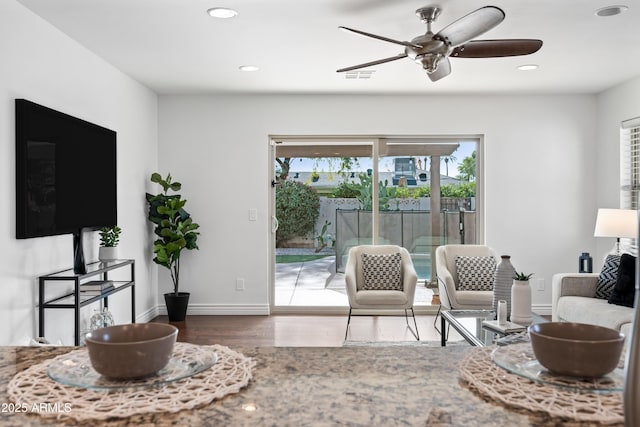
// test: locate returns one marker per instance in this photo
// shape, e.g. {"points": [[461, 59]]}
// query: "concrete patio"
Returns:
{"points": [[316, 283]]}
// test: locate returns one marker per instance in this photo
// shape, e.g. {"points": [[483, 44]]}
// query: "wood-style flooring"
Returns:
{"points": [[298, 330]]}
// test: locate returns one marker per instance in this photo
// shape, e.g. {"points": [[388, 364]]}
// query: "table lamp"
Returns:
{"points": [[617, 223]]}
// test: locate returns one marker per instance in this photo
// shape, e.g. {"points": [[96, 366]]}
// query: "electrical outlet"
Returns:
{"points": [[253, 214], [239, 284], [540, 283]]}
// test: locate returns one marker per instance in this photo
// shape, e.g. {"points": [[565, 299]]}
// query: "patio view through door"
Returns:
{"points": [[331, 194]]}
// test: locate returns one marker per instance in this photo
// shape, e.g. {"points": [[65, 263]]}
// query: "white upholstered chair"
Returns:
{"points": [[450, 296], [361, 298]]}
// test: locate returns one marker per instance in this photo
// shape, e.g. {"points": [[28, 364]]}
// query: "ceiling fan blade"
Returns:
{"points": [[471, 26], [384, 39], [443, 70], [368, 64], [496, 48]]}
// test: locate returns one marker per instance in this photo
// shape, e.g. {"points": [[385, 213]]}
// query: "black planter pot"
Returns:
{"points": [[177, 305]]}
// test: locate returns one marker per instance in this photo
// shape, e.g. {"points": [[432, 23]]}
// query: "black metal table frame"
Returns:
{"points": [[446, 316], [101, 270]]}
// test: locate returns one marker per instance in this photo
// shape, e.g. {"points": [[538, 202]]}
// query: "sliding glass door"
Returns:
{"points": [[331, 194]]}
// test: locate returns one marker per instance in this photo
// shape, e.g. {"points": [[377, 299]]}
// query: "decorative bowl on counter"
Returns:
{"points": [[131, 351], [576, 349]]}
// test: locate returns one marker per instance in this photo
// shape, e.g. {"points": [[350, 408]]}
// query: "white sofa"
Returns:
{"points": [[573, 301]]}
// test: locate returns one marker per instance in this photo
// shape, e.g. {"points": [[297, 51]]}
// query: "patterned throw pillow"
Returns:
{"points": [[608, 277], [475, 273], [382, 272]]}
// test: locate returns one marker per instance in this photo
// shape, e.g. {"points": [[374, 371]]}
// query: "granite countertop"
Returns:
{"points": [[353, 386]]}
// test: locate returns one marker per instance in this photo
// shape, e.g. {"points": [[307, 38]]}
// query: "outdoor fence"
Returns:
{"points": [[410, 229]]}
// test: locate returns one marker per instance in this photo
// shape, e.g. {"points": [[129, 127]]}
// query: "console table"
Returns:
{"points": [[74, 299]]}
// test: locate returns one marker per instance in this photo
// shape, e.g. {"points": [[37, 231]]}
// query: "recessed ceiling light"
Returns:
{"points": [[527, 67], [611, 10], [248, 68], [222, 12]]}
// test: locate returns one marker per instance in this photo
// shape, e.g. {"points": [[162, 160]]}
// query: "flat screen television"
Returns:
{"points": [[65, 175]]}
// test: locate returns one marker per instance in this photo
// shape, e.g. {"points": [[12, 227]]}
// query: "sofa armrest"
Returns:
{"points": [[574, 284]]}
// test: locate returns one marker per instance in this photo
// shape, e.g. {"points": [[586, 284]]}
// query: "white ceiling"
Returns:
{"points": [[174, 46]]}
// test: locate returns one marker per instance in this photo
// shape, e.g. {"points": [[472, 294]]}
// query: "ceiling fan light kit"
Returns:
{"points": [[432, 51]]}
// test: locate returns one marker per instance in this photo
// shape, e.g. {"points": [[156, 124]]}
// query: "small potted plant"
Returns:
{"points": [[521, 277], [109, 239], [315, 176], [521, 299]]}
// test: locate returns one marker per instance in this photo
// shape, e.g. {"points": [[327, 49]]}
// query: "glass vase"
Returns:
{"points": [[101, 319]]}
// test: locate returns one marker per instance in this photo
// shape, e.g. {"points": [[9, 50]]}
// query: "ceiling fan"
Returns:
{"points": [[432, 51]]}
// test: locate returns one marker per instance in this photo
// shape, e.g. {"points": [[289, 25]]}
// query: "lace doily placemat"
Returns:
{"points": [[482, 375], [231, 373]]}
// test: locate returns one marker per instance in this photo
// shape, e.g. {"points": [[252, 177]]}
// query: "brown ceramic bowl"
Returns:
{"points": [[131, 351], [576, 349]]}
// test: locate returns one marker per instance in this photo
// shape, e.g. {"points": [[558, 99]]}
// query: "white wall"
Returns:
{"points": [[540, 161], [614, 106], [43, 65]]}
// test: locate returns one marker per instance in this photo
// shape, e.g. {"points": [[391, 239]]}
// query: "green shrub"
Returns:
{"points": [[297, 210], [346, 190], [467, 189], [423, 192]]}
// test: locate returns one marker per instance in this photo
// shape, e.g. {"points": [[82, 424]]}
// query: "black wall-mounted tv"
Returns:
{"points": [[65, 174]]}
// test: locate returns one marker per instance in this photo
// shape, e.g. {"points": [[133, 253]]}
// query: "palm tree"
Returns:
{"points": [[468, 168], [446, 159]]}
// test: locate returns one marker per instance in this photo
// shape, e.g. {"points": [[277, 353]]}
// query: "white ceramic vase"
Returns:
{"points": [[107, 253], [521, 302]]}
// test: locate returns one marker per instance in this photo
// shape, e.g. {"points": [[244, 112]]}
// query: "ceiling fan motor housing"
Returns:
{"points": [[427, 51]]}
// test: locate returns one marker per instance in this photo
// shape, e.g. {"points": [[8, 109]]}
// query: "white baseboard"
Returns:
{"points": [[543, 309], [221, 310], [148, 315], [265, 310]]}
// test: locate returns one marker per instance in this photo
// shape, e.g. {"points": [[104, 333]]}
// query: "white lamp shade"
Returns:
{"points": [[617, 223]]}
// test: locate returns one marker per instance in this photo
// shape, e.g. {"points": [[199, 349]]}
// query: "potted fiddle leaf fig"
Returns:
{"points": [[175, 231], [109, 239]]}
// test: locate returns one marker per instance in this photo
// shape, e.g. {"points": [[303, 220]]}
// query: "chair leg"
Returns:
{"points": [[435, 321], [348, 321], [406, 317]]}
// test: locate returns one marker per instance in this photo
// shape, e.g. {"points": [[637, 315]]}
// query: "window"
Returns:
{"points": [[630, 171]]}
